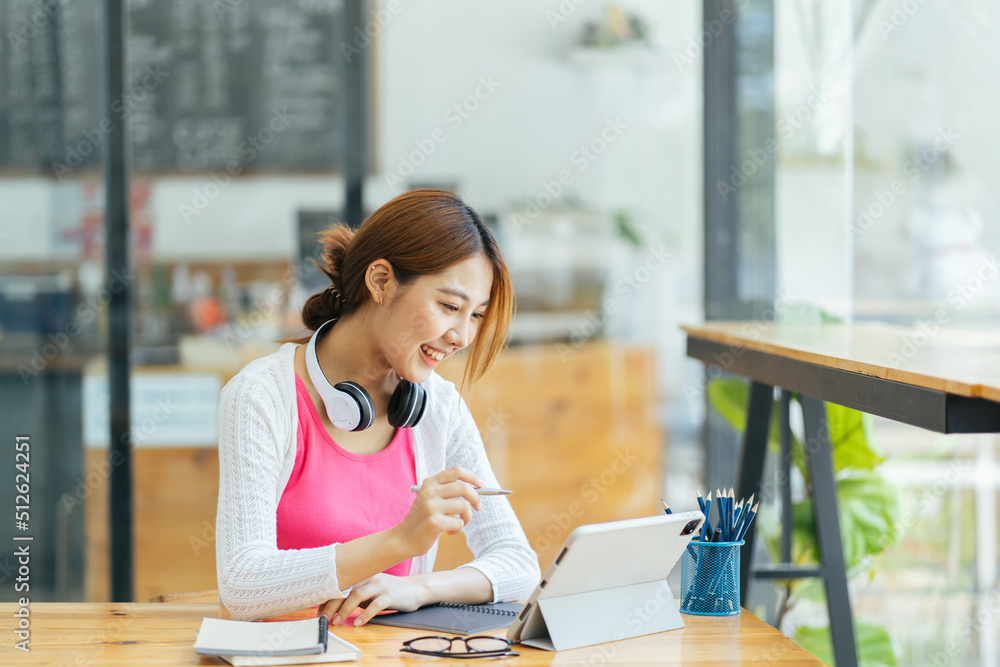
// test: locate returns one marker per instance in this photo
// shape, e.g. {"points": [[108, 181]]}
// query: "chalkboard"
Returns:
{"points": [[233, 85]]}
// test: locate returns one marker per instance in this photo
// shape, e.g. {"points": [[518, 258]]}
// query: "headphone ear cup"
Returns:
{"points": [[406, 405], [421, 399], [342, 418]]}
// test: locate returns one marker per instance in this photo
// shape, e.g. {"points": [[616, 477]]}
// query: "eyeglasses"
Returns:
{"points": [[475, 647]]}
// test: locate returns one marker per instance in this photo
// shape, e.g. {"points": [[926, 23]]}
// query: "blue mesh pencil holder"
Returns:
{"points": [[710, 578]]}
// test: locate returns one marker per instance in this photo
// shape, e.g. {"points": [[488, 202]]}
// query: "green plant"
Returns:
{"points": [[867, 507]]}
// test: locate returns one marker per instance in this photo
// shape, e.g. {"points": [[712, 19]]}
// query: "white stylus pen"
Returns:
{"points": [[483, 491]]}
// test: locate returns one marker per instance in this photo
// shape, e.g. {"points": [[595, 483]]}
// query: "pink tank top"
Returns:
{"points": [[334, 496]]}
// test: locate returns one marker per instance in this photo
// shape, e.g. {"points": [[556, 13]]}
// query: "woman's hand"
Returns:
{"points": [[443, 504], [378, 593]]}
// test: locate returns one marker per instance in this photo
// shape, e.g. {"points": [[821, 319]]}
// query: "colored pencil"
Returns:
{"points": [[708, 521], [745, 518], [729, 518], [746, 526]]}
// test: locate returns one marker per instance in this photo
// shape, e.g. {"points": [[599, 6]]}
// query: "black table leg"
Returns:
{"points": [[831, 548], [785, 477], [752, 466]]}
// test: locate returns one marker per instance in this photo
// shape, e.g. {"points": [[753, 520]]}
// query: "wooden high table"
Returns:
{"points": [[157, 633], [940, 379]]}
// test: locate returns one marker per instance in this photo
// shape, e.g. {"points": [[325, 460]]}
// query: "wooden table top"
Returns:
{"points": [[105, 633], [964, 363]]}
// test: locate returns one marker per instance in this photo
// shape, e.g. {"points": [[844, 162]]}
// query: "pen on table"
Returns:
{"points": [[482, 491]]}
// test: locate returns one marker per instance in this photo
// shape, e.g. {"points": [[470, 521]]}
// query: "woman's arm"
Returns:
{"points": [[463, 585], [366, 556], [494, 535], [444, 504]]}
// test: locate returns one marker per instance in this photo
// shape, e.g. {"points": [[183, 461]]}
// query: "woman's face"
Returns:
{"points": [[434, 317]]}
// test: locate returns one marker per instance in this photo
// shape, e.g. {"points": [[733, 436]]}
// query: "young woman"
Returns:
{"points": [[312, 512]]}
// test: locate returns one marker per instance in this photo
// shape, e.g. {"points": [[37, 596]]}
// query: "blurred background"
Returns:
{"points": [[643, 164]]}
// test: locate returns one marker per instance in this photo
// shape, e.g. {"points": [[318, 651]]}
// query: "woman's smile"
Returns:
{"points": [[431, 355]]}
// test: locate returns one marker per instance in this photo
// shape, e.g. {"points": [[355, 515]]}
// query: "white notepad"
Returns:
{"points": [[337, 650], [276, 643]]}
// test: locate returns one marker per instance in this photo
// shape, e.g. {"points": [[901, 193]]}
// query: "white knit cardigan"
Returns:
{"points": [[258, 418]]}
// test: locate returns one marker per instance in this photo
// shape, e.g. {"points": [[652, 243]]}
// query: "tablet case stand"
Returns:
{"points": [[595, 617]]}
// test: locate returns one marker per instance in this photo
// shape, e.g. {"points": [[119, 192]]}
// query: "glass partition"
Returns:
{"points": [[925, 239], [884, 215], [53, 295]]}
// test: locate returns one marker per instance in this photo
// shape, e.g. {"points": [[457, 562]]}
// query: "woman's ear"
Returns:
{"points": [[380, 280]]}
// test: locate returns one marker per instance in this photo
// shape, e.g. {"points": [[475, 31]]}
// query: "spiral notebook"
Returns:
{"points": [[460, 619]]}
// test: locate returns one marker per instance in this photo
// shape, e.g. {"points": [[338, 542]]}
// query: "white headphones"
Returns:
{"points": [[349, 406]]}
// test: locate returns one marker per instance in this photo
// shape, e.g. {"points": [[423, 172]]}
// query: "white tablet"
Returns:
{"points": [[608, 583]]}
